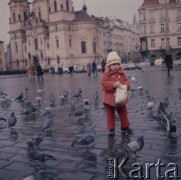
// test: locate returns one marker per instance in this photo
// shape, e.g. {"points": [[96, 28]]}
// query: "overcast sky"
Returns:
{"points": [[122, 9]]}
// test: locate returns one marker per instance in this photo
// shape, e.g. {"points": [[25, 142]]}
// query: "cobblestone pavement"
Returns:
{"points": [[76, 162]]}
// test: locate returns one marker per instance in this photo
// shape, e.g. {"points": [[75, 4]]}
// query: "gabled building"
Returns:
{"points": [[160, 28]]}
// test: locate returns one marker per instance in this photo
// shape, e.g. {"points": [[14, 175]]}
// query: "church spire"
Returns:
{"points": [[84, 7]]}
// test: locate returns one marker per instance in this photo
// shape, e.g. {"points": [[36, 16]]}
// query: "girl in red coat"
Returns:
{"points": [[111, 79]]}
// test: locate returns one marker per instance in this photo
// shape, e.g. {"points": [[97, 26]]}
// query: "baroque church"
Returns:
{"points": [[51, 32]]}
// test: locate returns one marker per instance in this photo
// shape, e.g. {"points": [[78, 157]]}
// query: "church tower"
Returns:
{"points": [[19, 13]]}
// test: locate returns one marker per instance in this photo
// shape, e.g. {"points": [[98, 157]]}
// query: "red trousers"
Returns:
{"points": [[122, 112]]}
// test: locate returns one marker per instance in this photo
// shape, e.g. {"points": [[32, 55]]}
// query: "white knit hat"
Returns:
{"points": [[113, 58]]}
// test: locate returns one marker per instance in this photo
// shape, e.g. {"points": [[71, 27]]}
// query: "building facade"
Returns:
{"points": [[53, 34], [123, 38], [160, 28], [2, 57]]}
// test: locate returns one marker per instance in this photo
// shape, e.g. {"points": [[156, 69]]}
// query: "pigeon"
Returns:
{"points": [[150, 105], [78, 112], [39, 91], [65, 93], [133, 79], [38, 100], [38, 139], [47, 123], [134, 146], [79, 93], [72, 104], [96, 97], [34, 154], [19, 98], [62, 98], [12, 120], [48, 111], [140, 88], [87, 139], [52, 100], [165, 102], [26, 90]]}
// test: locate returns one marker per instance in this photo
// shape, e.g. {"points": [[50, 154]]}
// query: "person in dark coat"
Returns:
{"points": [[169, 62], [39, 71], [103, 64]]}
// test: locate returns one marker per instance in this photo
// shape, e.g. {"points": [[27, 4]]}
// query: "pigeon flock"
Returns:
{"points": [[79, 108]]}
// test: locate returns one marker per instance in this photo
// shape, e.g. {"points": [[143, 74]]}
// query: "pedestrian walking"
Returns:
{"points": [[112, 78], [31, 72], [39, 71], [94, 68], [103, 64], [89, 69], [169, 62]]}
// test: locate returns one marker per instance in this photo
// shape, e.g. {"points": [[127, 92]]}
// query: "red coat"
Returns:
{"points": [[109, 77]]}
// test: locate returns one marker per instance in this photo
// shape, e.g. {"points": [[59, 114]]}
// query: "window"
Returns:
{"points": [[162, 14], [144, 29], [48, 45], [17, 62], [25, 16], [48, 61], [168, 42], [162, 28], [70, 42], [152, 43], [55, 6], [83, 47], [14, 17], [36, 44], [162, 42], [26, 63], [57, 43], [179, 12], [151, 15], [0, 52], [67, 5], [94, 47], [61, 6], [152, 28], [179, 27], [58, 59], [179, 41], [16, 47], [163, 1]]}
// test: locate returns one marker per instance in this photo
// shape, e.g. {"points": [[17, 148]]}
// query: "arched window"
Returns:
{"points": [[70, 42], [61, 6], [25, 16], [83, 47], [58, 59], [48, 60], [67, 5], [36, 44], [55, 6], [17, 62]]}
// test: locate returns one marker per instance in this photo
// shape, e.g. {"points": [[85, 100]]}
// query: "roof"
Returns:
{"points": [[82, 15], [154, 2], [16, 1]]}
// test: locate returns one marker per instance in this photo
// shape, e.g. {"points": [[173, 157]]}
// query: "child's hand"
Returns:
{"points": [[117, 84]]}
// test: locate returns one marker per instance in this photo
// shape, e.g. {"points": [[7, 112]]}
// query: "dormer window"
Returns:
{"points": [[178, 0]]}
